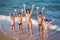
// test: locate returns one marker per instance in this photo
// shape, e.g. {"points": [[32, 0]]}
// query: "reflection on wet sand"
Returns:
{"points": [[39, 36], [45, 34], [25, 35], [29, 35], [20, 36]]}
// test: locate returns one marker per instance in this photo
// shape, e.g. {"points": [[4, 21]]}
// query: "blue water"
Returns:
{"points": [[52, 9]]}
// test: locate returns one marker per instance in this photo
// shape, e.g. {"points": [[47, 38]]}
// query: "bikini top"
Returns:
{"points": [[27, 15]]}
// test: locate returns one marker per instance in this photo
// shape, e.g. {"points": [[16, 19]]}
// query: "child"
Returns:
{"points": [[12, 22], [19, 16], [28, 14], [46, 24], [40, 19]]}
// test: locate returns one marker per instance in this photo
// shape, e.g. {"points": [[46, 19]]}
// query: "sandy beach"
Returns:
{"points": [[5, 37], [55, 36]]}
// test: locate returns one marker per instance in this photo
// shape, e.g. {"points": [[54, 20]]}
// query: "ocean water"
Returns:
{"points": [[52, 8]]}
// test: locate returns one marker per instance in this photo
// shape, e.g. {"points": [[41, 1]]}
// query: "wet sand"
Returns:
{"points": [[55, 36], [5, 37], [6, 30]]}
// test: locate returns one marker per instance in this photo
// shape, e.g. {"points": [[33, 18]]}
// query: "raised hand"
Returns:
{"points": [[32, 5], [37, 8], [9, 14], [43, 8], [15, 10], [32, 8], [22, 10], [24, 5], [44, 17], [52, 19]]}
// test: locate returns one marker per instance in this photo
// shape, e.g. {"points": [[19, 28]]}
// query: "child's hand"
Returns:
{"points": [[44, 17], [24, 5], [33, 5], [14, 14], [43, 8], [22, 10], [9, 14], [15, 10], [52, 19], [37, 7]]}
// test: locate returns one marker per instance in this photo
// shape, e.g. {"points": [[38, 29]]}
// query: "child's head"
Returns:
{"points": [[46, 21], [27, 11], [16, 14], [12, 16], [19, 13], [40, 14]]}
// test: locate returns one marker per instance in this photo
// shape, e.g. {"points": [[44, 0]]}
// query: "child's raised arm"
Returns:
{"points": [[43, 13], [24, 8], [37, 10], [9, 14], [15, 12], [32, 8], [51, 21], [22, 12], [43, 10]]}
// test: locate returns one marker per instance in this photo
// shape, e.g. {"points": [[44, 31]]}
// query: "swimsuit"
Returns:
{"points": [[45, 29], [19, 23], [39, 24], [12, 25]]}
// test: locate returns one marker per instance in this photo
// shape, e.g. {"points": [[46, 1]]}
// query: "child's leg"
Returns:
{"points": [[12, 27], [18, 28], [41, 28], [21, 28], [41, 35], [46, 35], [27, 27], [30, 27], [38, 28]]}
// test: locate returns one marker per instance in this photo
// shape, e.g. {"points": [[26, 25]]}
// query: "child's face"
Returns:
{"points": [[12, 17], [28, 12], [40, 15], [46, 22], [16, 14], [19, 14]]}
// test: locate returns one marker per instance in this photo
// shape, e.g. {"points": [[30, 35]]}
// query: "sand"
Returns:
{"points": [[5, 37], [55, 36]]}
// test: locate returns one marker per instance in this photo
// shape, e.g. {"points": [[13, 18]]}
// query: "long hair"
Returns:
{"points": [[27, 10]]}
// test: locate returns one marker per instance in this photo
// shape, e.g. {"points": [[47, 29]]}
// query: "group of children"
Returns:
{"points": [[28, 14]]}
